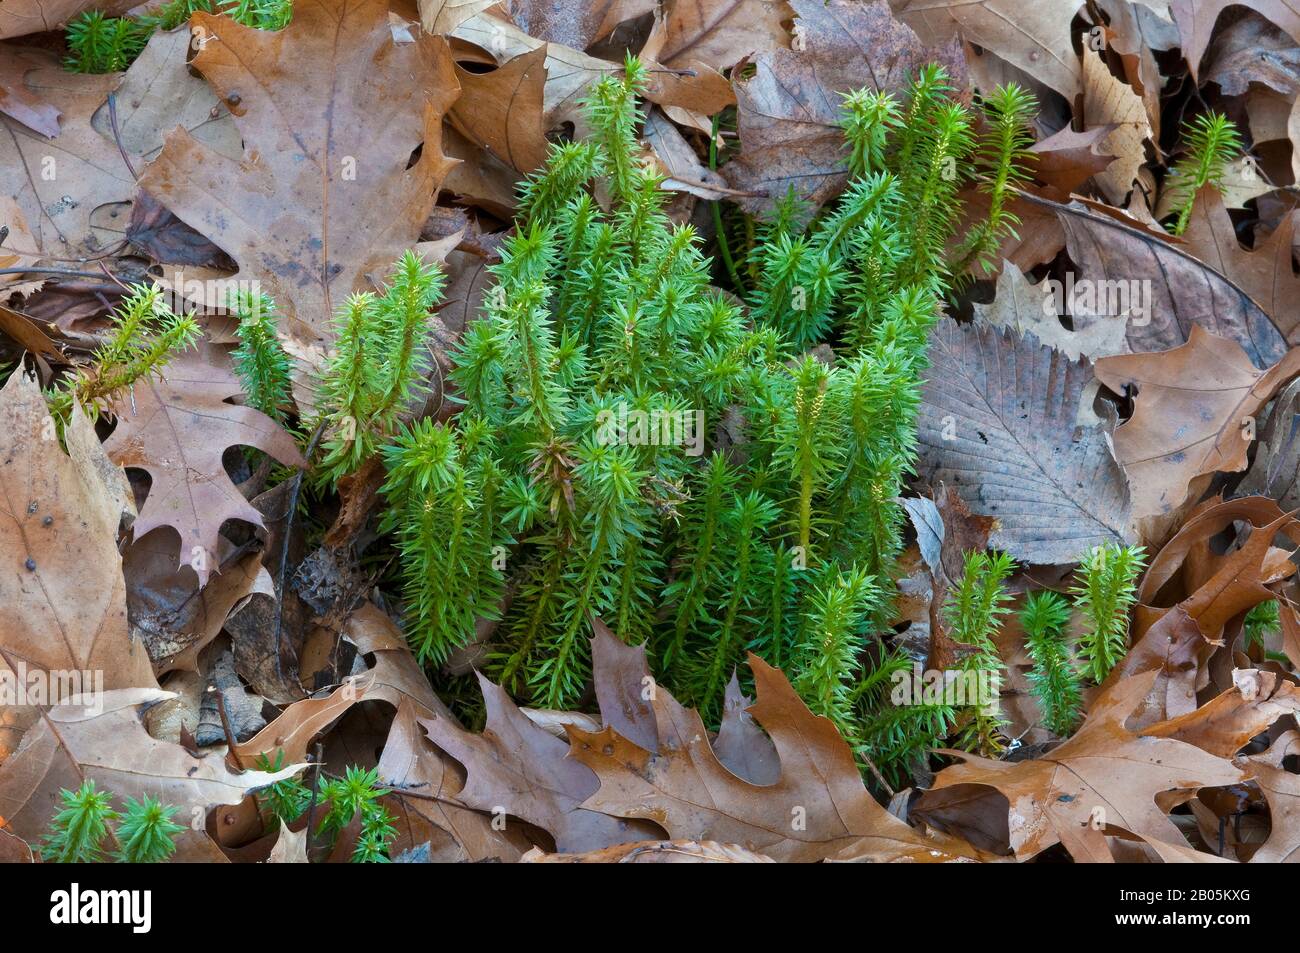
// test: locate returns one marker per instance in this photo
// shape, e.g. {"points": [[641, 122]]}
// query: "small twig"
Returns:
{"points": [[880, 778], [117, 136], [721, 233], [225, 722], [315, 787], [284, 546]]}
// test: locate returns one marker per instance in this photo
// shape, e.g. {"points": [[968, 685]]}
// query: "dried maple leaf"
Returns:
{"points": [[998, 425], [1104, 774], [1193, 415], [177, 429], [320, 200], [1033, 37], [68, 746], [789, 110], [817, 809]]}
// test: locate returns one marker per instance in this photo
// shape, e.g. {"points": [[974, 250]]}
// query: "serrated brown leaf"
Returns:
{"points": [[1009, 405], [319, 200], [1193, 415], [1134, 781], [177, 429]]}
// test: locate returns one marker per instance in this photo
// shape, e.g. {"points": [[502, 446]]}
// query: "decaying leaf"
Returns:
{"points": [[1039, 43], [683, 786], [72, 743], [998, 425], [62, 595], [1157, 288], [655, 852]]}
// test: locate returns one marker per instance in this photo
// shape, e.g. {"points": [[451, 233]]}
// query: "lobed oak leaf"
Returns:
{"points": [[177, 429], [1104, 775], [325, 195], [1193, 415], [816, 810]]}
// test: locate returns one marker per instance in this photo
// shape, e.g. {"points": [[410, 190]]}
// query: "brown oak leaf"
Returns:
{"points": [[331, 110], [177, 429]]}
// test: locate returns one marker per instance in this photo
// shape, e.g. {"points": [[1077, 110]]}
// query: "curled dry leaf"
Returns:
{"points": [[1223, 725], [1193, 415], [1282, 790], [75, 743], [501, 110], [1156, 287], [1105, 773], [1180, 642], [1265, 273], [177, 429], [717, 33], [998, 425], [1112, 103]]}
